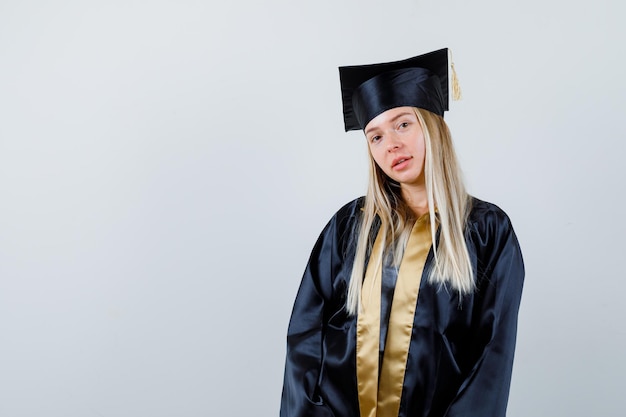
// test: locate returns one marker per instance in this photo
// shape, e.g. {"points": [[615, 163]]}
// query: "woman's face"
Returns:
{"points": [[396, 142]]}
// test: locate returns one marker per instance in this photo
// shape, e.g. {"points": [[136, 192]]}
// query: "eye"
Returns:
{"points": [[403, 125], [375, 138]]}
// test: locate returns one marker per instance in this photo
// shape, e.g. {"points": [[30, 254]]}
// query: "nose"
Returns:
{"points": [[393, 143]]}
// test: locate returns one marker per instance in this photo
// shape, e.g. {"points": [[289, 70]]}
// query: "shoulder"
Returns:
{"points": [[489, 231], [487, 218], [342, 225], [350, 211]]}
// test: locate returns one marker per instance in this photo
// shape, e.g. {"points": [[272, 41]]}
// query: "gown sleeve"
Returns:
{"points": [[305, 356], [484, 392]]}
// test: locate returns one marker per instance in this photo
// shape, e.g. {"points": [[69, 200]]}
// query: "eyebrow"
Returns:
{"points": [[396, 117]]}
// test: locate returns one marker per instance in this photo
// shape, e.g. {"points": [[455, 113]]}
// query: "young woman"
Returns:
{"points": [[408, 305]]}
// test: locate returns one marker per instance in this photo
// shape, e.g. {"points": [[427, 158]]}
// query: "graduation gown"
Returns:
{"points": [[461, 349]]}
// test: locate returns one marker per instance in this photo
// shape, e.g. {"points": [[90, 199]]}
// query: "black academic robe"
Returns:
{"points": [[461, 351]]}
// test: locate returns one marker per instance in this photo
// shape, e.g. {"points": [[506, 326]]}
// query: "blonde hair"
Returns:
{"points": [[445, 192]]}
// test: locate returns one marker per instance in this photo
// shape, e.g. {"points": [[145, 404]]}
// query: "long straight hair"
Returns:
{"points": [[445, 192]]}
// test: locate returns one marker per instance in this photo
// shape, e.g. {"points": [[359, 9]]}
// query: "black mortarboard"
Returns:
{"points": [[369, 90]]}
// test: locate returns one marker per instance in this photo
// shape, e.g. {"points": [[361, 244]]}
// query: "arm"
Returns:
{"points": [[316, 299], [484, 393]]}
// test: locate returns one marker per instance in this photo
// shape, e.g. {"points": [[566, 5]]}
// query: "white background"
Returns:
{"points": [[166, 166]]}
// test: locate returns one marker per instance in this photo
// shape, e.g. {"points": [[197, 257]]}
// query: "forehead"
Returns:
{"points": [[389, 116]]}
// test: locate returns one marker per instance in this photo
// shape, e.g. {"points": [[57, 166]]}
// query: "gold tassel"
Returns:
{"points": [[456, 88]]}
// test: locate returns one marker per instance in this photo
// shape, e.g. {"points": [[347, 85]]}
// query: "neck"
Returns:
{"points": [[416, 198]]}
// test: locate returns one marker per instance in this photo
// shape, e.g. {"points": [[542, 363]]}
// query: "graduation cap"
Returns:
{"points": [[421, 81]]}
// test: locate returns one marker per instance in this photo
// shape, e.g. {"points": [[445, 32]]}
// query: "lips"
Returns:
{"points": [[400, 161]]}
